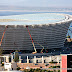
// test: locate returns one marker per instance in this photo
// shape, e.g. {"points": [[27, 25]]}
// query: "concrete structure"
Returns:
{"points": [[20, 59], [32, 58], [41, 59], [11, 66], [7, 65], [12, 60], [27, 60], [66, 63], [5, 57], [50, 35], [35, 61]]}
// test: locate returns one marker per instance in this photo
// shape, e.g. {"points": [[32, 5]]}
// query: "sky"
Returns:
{"points": [[37, 3]]}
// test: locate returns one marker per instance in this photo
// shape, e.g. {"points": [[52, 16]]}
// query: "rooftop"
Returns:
{"points": [[32, 19]]}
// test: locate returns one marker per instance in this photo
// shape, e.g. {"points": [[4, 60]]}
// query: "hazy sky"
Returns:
{"points": [[37, 3]]}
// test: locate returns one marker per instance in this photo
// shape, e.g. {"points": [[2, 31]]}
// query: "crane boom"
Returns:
{"points": [[40, 45], [35, 42], [31, 40], [3, 35]]}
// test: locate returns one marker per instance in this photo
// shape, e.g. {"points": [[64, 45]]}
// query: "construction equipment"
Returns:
{"points": [[35, 42], [32, 41], [3, 35], [47, 47], [41, 46], [68, 33]]}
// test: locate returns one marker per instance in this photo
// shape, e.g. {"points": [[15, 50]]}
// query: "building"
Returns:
{"points": [[11, 66], [66, 63], [48, 29]]}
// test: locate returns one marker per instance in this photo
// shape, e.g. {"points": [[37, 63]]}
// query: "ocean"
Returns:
{"points": [[6, 13]]}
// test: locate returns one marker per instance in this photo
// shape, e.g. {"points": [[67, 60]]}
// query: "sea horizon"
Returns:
{"points": [[35, 9], [7, 13]]}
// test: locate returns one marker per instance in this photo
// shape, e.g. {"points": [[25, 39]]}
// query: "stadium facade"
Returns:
{"points": [[49, 35]]}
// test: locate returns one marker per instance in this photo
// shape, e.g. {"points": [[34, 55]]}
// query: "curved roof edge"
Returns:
{"points": [[68, 18]]}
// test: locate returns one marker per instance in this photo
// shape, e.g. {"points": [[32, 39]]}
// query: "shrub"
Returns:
{"points": [[51, 71], [44, 71], [51, 66], [46, 64], [31, 70], [2, 64], [54, 70], [54, 66], [36, 70], [1, 61], [58, 70], [18, 68], [53, 62], [16, 59], [58, 66], [68, 36], [26, 70]]}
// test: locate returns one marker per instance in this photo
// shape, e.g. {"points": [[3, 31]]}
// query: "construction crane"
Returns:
{"points": [[35, 42], [3, 35], [32, 41], [40, 45]]}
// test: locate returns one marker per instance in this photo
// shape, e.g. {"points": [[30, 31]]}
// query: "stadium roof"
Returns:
{"points": [[31, 19]]}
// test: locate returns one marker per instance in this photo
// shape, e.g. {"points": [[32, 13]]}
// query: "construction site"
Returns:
{"points": [[38, 39], [33, 38]]}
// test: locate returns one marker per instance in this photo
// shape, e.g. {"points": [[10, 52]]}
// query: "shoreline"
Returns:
{"points": [[33, 11]]}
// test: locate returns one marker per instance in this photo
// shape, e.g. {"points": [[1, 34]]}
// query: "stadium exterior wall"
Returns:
{"points": [[49, 35]]}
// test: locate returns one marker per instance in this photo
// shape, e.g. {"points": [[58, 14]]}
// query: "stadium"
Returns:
{"points": [[28, 31]]}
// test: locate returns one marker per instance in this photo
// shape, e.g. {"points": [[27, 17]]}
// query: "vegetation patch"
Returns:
{"points": [[38, 70], [54, 67], [18, 68], [53, 62]]}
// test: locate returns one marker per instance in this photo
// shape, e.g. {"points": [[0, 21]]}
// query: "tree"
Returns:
{"points": [[54, 70], [18, 68], [1, 51], [16, 58], [26, 70], [68, 36], [46, 65], [31, 70], [58, 70], [37, 70], [44, 71]]}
